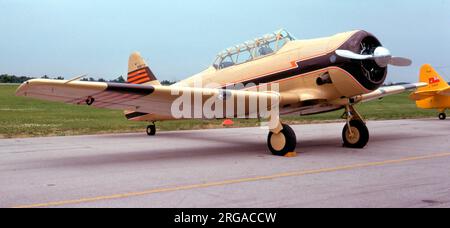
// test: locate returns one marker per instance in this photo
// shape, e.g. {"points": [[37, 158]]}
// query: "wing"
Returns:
{"points": [[161, 101], [389, 90], [445, 92], [420, 95]]}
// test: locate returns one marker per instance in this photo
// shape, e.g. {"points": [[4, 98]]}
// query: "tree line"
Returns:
{"points": [[6, 78]]}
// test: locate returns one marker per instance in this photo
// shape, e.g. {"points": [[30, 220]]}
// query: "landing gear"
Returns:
{"points": [[283, 141], [151, 130], [442, 115], [355, 133], [90, 101]]}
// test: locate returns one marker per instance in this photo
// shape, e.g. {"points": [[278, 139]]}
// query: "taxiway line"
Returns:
{"points": [[236, 181]]}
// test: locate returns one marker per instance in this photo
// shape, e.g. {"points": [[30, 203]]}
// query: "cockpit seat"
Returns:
{"points": [[226, 64], [252, 50], [265, 51]]}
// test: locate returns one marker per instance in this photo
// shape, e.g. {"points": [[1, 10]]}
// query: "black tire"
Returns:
{"points": [[442, 116], [90, 101], [362, 135], [151, 130], [290, 141]]}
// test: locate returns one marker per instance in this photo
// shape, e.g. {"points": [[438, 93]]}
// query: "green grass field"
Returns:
{"points": [[24, 117]]}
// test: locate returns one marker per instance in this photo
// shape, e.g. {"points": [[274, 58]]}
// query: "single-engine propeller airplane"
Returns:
{"points": [[312, 76], [436, 95]]}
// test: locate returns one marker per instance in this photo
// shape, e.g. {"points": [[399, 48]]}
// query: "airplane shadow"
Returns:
{"points": [[233, 148], [227, 148]]}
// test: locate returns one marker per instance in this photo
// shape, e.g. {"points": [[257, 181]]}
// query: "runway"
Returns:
{"points": [[406, 164]]}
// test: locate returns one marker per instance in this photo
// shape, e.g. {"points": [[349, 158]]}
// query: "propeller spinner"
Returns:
{"points": [[381, 55]]}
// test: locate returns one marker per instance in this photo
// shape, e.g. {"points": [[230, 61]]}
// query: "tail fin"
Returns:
{"points": [[430, 76], [139, 72]]}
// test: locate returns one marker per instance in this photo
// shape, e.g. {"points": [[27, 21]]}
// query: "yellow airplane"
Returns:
{"points": [[265, 78], [436, 95]]}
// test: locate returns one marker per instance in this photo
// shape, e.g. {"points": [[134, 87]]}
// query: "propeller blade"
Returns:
{"points": [[401, 62], [351, 55], [382, 56]]}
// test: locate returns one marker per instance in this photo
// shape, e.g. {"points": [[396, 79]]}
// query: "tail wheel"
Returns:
{"points": [[442, 116], [151, 130], [357, 136], [90, 101], [282, 143]]}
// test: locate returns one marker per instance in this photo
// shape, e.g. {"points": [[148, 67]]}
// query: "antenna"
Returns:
{"points": [[76, 79]]}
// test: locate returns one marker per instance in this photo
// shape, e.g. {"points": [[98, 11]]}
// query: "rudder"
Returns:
{"points": [[429, 75]]}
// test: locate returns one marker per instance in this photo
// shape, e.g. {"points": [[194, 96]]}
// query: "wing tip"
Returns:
{"points": [[21, 91]]}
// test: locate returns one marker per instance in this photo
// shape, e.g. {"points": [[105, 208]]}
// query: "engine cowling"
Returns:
{"points": [[367, 72]]}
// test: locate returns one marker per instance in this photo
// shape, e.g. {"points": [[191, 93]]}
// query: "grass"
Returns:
{"points": [[24, 117]]}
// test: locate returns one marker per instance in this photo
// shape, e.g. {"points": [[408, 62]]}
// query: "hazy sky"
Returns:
{"points": [[179, 38]]}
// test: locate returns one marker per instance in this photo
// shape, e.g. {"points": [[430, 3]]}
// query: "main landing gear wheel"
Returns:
{"points": [[356, 135], [151, 130], [282, 143], [442, 116]]}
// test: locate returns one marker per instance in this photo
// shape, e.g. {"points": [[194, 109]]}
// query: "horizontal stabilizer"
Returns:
{"points": [[445, 92], [422, 95]]}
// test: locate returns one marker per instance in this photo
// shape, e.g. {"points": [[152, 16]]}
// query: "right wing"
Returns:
{"points": [[389, 90]]}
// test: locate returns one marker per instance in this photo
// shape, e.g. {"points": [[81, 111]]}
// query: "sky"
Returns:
{"points": [[179, 38]]}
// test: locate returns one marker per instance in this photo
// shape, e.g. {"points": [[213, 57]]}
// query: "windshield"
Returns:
{"points": [[252, 50]]}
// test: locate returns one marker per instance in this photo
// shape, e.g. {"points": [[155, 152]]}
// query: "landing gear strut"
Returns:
{"points": [[355, 133], [282, 141], [151, 129], [442, 115]]}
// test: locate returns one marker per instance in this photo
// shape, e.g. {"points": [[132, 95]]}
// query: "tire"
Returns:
{"points": [[361, 137], [442, 116], [282, 143], [151, 130], [90, 101]]}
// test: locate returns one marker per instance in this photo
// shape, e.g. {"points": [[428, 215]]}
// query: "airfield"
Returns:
{"points": [[406, 164]]}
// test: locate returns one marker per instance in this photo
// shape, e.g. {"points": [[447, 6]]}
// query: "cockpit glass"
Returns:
{"points": [[251, 50], [244, 57]]}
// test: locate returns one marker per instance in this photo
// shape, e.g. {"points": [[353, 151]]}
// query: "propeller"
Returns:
{"points": [[381, 55]]}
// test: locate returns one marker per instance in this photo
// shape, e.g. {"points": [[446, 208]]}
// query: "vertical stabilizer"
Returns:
{"points": [[429, 75], [139, 72]]}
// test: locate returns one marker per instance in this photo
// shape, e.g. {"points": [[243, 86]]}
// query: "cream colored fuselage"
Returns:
{"points": [[295, 69], [303, 86]]}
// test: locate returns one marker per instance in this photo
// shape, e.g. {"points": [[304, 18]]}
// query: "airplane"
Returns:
{"points": [[436, 95], [294, 77]]}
